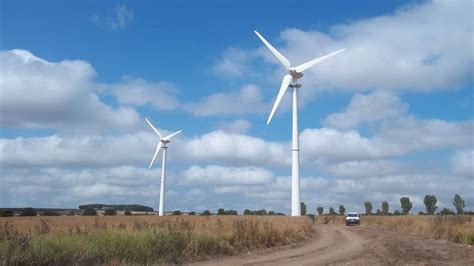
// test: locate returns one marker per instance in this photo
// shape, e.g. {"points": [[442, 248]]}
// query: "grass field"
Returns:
{"points": [[454, 228], [140, 239]]}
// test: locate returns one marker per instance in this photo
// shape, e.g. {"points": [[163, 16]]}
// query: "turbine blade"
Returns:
{"points": [[172, 135], [154, 129], [311, 63], [284, 85], [286, 64], [156, 153]]}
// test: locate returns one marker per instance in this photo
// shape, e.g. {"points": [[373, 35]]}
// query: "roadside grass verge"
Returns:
{"points": [[167, 240], [454, 228]]}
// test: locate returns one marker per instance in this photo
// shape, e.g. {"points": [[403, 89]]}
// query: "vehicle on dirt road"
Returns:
{"points": [[352, 218]]}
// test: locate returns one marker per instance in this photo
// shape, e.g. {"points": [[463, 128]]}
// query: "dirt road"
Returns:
{"points": [[358, 245]]}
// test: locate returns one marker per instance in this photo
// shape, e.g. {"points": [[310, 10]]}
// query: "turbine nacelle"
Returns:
{"points": [[294, 73], [163, 140]]}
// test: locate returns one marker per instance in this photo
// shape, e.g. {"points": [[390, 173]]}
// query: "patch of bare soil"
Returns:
{"points": [[357, 245]]}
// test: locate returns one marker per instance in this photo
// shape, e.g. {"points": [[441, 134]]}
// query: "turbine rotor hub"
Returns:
{"points": [[294, 74]]}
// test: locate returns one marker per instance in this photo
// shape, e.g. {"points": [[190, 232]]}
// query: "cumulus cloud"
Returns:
{"points": [[227, 176], [419, 47], [462, 163], [139, 92], [247, 100], [367, 108], [234, 62], [41, 94], [238, 126]]}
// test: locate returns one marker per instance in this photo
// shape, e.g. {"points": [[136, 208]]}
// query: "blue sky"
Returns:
{"points": [[390, 117]]}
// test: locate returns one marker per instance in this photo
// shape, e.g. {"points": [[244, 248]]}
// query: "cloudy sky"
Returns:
{"points": [[392, 116]]}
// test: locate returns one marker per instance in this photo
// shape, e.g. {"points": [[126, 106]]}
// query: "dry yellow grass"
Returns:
{"points": [[140, 239], [455, 228]]}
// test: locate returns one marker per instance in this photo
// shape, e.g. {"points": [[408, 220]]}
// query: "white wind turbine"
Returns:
{"points": [[162, 145], [290, 80]]}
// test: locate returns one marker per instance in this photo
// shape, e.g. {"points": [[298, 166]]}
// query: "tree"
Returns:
{"points": [[28, 212], [320, 210], [368, 207], [406, 205], [247, 212], [342, 210], [176, 212], [6, 213], [192, 213], [110, 212], [446, 211], [430, 204], [459, 204], [303, 208], [271, 213], [89, 212], [220, 211], [397, 212], [127, 213], [206, 213], [331, 211], [384, 208], [50, 213]]}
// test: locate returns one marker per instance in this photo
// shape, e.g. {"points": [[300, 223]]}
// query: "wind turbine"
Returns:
{"points": [[290, 80], [162, 145]]}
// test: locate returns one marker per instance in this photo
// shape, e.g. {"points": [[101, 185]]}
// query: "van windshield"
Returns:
{"points": [[352, 215]]}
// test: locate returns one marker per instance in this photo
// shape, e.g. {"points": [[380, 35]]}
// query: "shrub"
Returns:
{"points": [[89, 212], [176, 212], [110, 212], [28, 212], [50, 213], [127, 213], [6, 213], [206, 213]]}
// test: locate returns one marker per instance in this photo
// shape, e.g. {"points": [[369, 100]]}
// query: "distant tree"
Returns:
{"points": [[127, 213], [421, 213], [384, 208], [192, 213], [206, 213], [342, 210], [331, 211], [430, 204], [28, 212], [271, 213], [397, 212], [6, 213], [89, 212], [50, 213], [303, 208], [247, 212], [176, 212], [220, 211], [110, 212], [280, 214], [406, 205], [368, 207], [459, 204], [446, 211], [320, 210]]}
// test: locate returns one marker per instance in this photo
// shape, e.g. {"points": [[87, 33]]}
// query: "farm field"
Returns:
{"points": [[141, 239]]}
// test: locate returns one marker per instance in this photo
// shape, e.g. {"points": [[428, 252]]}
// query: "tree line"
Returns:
{"points": [[430, 202]]}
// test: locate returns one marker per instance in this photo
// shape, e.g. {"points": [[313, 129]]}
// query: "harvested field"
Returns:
{"points": [[454, 228]]}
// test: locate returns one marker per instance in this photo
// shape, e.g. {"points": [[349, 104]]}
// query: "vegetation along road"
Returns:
{"points": [[358, 245]]}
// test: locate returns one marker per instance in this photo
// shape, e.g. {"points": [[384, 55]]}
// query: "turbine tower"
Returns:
{"points": [[162, 145], [291, 80]]}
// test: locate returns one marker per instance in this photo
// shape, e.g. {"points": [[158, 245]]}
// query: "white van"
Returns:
{"points": [[352, 218]]}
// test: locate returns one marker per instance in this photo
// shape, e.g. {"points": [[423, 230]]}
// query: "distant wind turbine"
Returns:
{"points": [[290, 80], [162, 145]]}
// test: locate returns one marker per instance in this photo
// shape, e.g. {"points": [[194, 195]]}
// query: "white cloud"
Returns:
{"points": [[237, 126], [246, 101], [227, 176], [234, 149], [41, 94], [116, 19], [419, 47], [462, 163], [233, 63], [367, 108], [139, 92]]}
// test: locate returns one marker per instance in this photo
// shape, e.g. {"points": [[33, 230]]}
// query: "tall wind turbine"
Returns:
{"points": [[291, 80], [162, 145]]}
